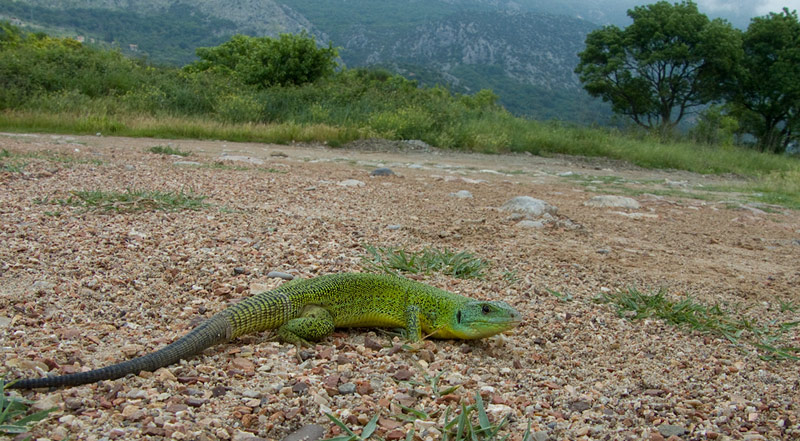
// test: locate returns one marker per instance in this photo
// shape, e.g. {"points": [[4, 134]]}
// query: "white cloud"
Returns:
{"points": [[765, 7]]}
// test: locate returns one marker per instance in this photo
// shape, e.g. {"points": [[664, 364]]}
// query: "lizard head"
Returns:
{"points": [[479, 319]]}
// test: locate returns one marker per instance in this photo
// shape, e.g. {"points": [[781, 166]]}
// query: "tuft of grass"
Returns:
{"points": [[167, 150], [134, 200], [564, 297], [470, 424], [767, 339], [13, 407], [460, 264]]}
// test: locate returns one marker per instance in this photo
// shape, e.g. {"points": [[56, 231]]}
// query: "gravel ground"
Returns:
{"points": [[80, 289]]}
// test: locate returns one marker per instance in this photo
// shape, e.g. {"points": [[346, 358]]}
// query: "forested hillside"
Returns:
{"points": [[467, 45]]}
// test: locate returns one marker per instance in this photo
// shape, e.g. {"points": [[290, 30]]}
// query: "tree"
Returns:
{"points": [[670, 60], [766, 92], [264, 61]]}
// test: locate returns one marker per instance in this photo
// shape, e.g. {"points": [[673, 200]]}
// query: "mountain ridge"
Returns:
{"points": [[468, 44]]}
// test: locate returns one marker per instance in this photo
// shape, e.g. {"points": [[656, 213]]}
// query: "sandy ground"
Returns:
{"points": [[81, 289]]}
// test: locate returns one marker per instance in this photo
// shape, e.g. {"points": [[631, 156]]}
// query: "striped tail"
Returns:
{"points": [[215, 330]]}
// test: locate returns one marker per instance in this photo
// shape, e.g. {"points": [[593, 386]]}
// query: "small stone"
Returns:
{"points": [[347, 388], [279, 275], [300, 388], [187, 163], [310, 432], [579, 406], [394, 227], [529, 206], [132, 412], [130, 350], [540, 436], [613, 201], [395, 434], [668, 430], [461, 194], [195, 401], [403, 375], [383, 171], [4, 322], [43, 285], [243, 364], [535, 224], [239, 270], [351, 183], [372, 344]]}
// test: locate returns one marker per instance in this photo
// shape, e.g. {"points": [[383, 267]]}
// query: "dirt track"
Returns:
{"points": [[81, 289]]}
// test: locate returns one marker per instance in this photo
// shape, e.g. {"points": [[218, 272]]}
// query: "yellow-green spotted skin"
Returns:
{"points": [[309, 310]]}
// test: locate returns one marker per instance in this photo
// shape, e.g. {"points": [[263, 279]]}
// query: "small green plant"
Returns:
{"points": [[134, 200], [460, 264], [462, 427], [768, 339], [564, 297], [789, 305], [13, 407], [367, 432], [167, 150]]}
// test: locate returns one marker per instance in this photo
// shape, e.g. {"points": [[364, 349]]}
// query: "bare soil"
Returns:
{"points": [[81, 289]]}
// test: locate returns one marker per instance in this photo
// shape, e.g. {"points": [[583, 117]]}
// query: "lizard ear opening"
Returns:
{"points": [[458, 316]]}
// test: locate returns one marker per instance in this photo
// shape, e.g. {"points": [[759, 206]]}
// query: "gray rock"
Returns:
{"points": [[537, 224], [4, 322], [532, 207], [383, 171], [43, 285], [189, 163], [540, 436], [351, 183], [612, 201], [394, 227], [239, 158], [462, 194], [667, 430], [279, 275], [311, 432], [347, 388]]}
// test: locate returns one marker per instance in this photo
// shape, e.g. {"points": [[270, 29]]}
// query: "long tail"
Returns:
{"points": [[215, 330]]}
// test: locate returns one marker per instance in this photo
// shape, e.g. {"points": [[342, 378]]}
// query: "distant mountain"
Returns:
{"points": [[522, 50]]}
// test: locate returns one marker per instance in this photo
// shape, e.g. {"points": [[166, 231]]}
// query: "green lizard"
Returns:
{"points": [[308, 310]]}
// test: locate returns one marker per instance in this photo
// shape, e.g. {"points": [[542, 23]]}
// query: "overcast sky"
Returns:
{"points": [[748, 7]]}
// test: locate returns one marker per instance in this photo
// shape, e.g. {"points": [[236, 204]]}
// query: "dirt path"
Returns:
{"points": [[81, 289]]}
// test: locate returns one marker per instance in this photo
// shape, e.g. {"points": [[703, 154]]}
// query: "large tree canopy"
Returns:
{"points": [[264, 61], [767, 89], [666, 62]]}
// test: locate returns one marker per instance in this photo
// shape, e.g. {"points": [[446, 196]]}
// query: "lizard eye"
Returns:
{"points": [[485, 309]]}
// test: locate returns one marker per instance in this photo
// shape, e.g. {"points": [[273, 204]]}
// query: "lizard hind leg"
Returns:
{"points": [[314, 323]]}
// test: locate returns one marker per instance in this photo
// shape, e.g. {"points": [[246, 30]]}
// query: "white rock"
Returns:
{"points": [[613, 201], [537, 224], [351, 183], [246, 159], [462, 194], [530, 206]]}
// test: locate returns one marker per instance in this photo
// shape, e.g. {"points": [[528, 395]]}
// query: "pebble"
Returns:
{"points": [[536, 224], [239, 158], [279, 275], [383, 171], [540, 436], [311, 432], [347, 388], [668, 430], [43, 285], [4, 322], [462, 194], [394, 227], [351, 183], [613, 201], [529, 206]]}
